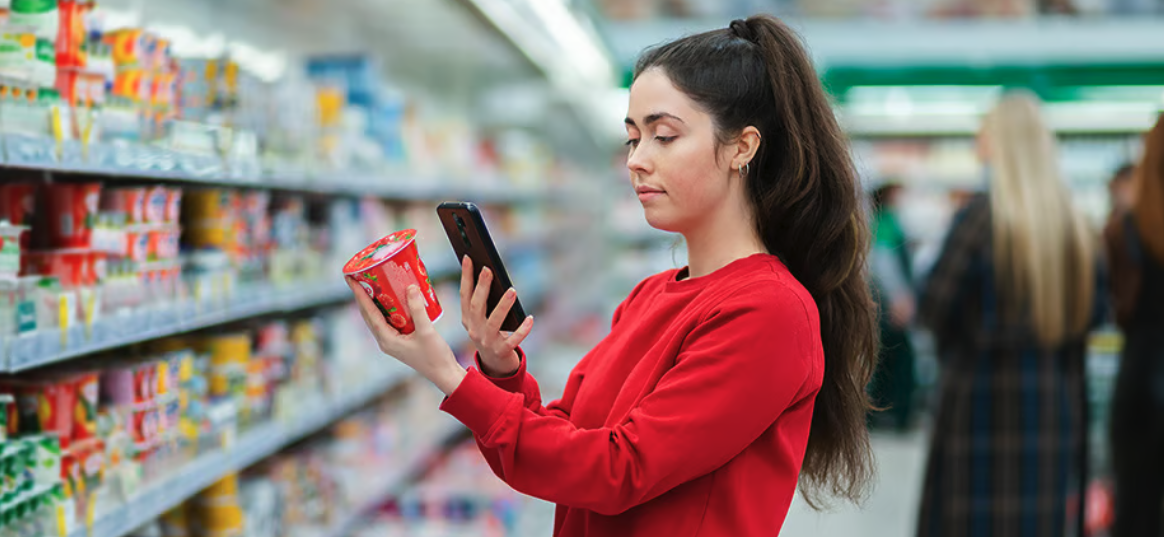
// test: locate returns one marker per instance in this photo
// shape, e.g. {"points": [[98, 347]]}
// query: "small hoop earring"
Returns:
{"points": [[744, 169]]}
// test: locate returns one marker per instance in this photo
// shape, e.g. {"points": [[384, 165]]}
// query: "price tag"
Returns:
{"points": [[90, 512], [86, 133], [62, 521], [58, 130], [65, 311], [90, 311]]}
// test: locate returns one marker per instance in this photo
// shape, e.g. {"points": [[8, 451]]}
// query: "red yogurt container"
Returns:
{"points": [[385, 269], [72, 212]]}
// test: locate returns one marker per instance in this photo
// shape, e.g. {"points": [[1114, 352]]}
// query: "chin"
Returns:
{"points": [[659, 220]]}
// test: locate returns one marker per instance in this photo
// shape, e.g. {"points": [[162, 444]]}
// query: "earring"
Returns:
{"points": [[744, 169]]}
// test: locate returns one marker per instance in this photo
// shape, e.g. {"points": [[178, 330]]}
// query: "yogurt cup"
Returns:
{"points": [[72, 213], [385, 269]]}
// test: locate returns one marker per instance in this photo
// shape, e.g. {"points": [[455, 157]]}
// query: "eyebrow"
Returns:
{"points": [[655, 117]]}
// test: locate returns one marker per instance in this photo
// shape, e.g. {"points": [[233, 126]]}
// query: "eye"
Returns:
{"points": [[634, 142], [665, 139]]}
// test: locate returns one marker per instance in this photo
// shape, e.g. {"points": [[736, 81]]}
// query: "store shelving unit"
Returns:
{"points": [[144, 162], [251, 446], [394, 482]]}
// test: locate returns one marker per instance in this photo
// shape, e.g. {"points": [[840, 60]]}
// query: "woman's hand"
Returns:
{"points": [[497, 348], [424, 350]]}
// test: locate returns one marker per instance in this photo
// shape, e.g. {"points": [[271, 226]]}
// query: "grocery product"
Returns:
{"points": [[385, 270], [71, 213]]}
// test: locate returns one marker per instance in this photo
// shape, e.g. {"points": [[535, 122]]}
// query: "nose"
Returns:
{"points": [[639, 162]]}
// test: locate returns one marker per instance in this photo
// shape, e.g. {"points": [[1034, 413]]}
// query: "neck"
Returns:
{"points": [[723, 238]]}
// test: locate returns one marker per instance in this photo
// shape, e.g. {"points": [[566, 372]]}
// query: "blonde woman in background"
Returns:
{"points": [[1010, 301], [1135, 246]]}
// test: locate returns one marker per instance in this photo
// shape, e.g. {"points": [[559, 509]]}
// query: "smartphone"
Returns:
{"points": [[466, 229]]}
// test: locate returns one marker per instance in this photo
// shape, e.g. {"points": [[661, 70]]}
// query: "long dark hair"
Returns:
{"points": [[806, 200]]}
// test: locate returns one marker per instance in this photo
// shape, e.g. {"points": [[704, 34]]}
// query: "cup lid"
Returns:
{"points": [[379, 251]]}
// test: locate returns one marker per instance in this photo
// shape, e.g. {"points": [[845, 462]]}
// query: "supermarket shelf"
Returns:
{"points": [[396, 481], [48, 347], [251, 447], [142, 162]]}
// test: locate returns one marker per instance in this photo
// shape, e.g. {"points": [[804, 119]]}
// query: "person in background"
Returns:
{"points": [[1119, 189], [1135, 246], [1010, 302], [891, 270]]}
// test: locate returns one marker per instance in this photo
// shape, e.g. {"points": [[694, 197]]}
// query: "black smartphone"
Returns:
{"points": [[466, 229]]}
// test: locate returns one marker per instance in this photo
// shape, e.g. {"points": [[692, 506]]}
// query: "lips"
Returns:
{"points": [[648, 190]]}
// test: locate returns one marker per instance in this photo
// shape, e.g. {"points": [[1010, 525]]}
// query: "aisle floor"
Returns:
{"points": [[891, 509]]}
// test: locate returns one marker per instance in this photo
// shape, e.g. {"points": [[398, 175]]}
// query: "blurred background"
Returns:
{"points": [[182, 180]]}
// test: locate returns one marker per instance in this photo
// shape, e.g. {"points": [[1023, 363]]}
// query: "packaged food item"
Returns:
{"points": [[10, 250], [144, 428], [229, 349], [18, 203], [45, 406], [157, 204], [72, 267], [118, 387], [71, 45], [72, 213], [127, 200], [40, 15], [173, 205], [47, 458], [127, 47], [385, 270], [8, 416], [88, 396]]}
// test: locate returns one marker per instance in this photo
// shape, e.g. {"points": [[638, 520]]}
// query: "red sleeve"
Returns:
{"points": [[750, 359]]}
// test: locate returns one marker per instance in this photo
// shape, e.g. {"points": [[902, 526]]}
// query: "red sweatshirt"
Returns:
{"points": [[690, 418]]}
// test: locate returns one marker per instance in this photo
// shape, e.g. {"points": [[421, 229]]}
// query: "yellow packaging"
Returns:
{"points": [[229, 349], [227, 486]]}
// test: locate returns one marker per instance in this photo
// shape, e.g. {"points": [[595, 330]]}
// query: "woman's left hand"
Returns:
{"points": [[424, 350]]}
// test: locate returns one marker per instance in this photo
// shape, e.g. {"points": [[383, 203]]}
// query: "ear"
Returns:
{"points": [[746, 147]]}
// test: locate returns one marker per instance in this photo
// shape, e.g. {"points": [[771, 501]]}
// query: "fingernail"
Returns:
{"points": [[511, 292], [414, 290]]}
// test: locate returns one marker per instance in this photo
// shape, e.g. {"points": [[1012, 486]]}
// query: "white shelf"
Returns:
{"points": [[42, 348], [138, 162], [394, 482], [251, 447]]}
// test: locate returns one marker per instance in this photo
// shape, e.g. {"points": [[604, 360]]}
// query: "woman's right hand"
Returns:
{"points": [[497, 348]]}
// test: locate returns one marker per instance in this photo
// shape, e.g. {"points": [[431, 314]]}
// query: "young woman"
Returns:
{"points": [[720, 383], [1010, 301], [1135, 245]]}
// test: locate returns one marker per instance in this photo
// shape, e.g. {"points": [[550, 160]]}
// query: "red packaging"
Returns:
{"points": [[137, 244], [144, 427], [128, 200], [72, 33], [18, 206], [18, 202], [145, 382], [173, 205], [385, 270], [72, 210], [157, 199], [73, 267], [46, 406], [80, 89], [85, 410]]}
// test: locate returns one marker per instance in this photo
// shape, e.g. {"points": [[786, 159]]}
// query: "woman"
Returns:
{"points": [[1009, 302], [720, 383], [892, 270], [1135, 245]]}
